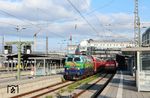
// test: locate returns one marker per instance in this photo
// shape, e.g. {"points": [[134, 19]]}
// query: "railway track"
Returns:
{"points": [[39, 92], [55, 87], [45, 90], [89, 90], [102, 88], [58, 88]]}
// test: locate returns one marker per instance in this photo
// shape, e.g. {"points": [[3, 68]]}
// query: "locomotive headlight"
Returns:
{"points": [[107, 64], [78, 68], [67, 68]]}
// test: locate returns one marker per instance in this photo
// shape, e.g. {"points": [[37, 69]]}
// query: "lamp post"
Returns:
{"points": [[19, 53]]}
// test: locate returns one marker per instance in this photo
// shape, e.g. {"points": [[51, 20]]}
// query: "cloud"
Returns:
{"points": [[58, 20], [43, 10]]}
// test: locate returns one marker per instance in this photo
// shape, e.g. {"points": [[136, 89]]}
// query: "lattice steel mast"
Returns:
{"points": [[136, 26]]}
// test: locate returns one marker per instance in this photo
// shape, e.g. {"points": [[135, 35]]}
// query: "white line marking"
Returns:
{"points": [[120, 89]]}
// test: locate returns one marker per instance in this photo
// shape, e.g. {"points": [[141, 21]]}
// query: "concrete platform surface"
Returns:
{"points": [[14, 88], [123, 85]]}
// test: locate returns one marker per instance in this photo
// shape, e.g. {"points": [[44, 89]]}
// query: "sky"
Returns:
{"points": [[60, 19]]}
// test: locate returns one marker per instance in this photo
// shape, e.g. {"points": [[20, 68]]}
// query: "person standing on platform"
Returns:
{"points": [[32, 71]]}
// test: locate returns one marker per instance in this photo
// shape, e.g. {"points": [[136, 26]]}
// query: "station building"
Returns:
{"points": [[103, 47]]}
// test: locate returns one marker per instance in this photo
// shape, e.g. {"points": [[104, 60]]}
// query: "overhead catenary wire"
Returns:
{"points": [[101, 25], [86, 19], [47, 23], [105, 5], [23, 20], [16, 17], [8, 24], [83, 16], [94, 10]]}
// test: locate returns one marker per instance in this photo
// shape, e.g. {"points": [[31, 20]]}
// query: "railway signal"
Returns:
{"points": [[19, 45], [27, 49], [7, 49]]}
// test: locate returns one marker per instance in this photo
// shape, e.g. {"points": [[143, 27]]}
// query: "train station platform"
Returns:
{"points": [[123, 85]]}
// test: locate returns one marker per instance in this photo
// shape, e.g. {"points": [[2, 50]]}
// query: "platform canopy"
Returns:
{"points": [[136, 49]]}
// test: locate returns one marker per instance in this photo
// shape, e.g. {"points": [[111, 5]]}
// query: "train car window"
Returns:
{"points": [[77, 59], [69, 59]]}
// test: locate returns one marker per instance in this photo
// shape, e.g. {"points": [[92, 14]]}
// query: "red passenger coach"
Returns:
{"points": [[111, 65], [98, 64]]}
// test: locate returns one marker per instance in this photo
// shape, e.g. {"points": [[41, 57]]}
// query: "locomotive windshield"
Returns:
{"points": [[70, 59], [77, 59]]}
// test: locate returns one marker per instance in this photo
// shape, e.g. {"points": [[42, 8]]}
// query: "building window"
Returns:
{"points": [[147, 41], [145, 61]]}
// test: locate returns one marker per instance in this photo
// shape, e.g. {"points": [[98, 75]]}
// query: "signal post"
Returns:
{"points": [[19, 45]]}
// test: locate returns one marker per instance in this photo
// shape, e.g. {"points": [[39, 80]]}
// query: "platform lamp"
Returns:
{"points": [[19, 52]]}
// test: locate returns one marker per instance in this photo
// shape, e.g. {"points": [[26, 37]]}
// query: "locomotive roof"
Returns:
{"points": [[74, 55]]}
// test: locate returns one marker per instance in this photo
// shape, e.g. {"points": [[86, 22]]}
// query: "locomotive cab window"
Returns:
{"points": [[77, 59], [69, 59]]}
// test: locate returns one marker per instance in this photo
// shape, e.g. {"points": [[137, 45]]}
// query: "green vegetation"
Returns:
{"points": [[62, 90], [49, 96], [81, 82], [58, 94], [73, 86]]}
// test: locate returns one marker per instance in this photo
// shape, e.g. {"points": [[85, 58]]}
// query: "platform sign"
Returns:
{"points": [[12, 89]]}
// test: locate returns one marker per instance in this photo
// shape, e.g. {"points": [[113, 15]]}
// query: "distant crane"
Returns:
{"points": [[35, 39]]}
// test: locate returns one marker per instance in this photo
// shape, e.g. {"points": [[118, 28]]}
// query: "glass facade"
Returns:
{"points": [[146, 38], [145, 57]]}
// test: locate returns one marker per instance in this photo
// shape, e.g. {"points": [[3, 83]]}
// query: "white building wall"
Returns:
{"points": [[104, 45]]}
